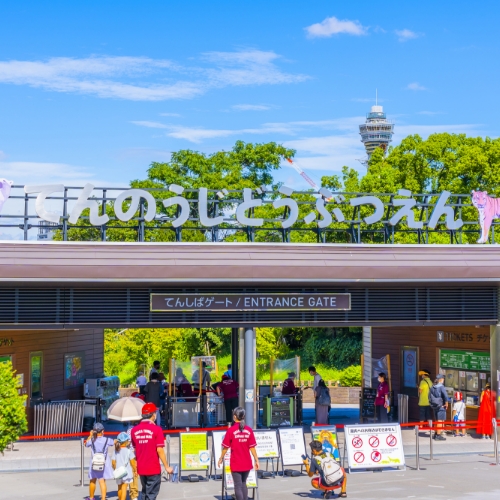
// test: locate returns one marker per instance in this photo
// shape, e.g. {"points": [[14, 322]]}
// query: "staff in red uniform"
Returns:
{"points": [[229, 389], [241, 439], [148, 443]]}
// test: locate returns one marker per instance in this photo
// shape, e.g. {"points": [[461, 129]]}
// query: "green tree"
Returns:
{"points": [[13, 421]]}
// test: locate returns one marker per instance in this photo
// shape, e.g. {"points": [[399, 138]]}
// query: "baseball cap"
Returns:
{"points": [[440, 376], [122, 437], [424, 372], [291, 374], [148, 408], [98, 427]]}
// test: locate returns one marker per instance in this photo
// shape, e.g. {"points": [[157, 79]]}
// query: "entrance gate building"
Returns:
{"points": [[57, 297]]}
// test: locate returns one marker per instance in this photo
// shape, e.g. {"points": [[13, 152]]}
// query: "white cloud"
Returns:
{"points": [[150, 124], [2, 156], [27, 172], [333, 26], [415, 86], [146, 79], [170, 114], [405, 35], [250, 107]]}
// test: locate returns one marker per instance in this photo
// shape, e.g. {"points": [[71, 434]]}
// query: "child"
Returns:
{"points": [[324, 465], [124, 460], [459, 414]]}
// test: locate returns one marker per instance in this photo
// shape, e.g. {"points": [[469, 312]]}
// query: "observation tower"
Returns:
{"points": [[377, 131]]}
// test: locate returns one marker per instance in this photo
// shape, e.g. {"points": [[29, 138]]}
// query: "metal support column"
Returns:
{"points": [[235, 348], [250, 375], [241, 372], [495, 363]]}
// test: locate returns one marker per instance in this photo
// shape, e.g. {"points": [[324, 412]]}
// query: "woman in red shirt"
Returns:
{"points": [[382, 399], [241, 440]]}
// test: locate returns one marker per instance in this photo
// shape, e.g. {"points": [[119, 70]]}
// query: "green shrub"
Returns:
{"points": [[13, 421], [351, 377]]}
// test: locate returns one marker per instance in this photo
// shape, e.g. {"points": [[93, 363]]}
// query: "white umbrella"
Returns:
{"points": [[126, 410]]}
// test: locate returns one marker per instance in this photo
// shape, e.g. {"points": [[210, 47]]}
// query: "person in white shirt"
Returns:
{"points": [[459, 415], [316, 375], [141, 382]]}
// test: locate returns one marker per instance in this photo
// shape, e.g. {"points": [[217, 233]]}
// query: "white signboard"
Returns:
{"points": [[217, 437], [292, 445], [375, 446], [267, 444]]}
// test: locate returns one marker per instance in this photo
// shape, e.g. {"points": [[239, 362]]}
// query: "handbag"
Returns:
{"points": [[121, 472]]}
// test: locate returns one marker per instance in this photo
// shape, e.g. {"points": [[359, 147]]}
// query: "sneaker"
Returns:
{"points": [[488, 437], [440, 438], [484, 437]]}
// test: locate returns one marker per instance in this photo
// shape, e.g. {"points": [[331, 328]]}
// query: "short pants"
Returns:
{"points": [[123, 480]]}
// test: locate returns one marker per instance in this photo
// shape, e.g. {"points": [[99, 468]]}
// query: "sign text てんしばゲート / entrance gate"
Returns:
{"points": [[182, 302]]}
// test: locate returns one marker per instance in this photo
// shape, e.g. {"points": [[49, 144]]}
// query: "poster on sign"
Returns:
{"points": [[217, 437], [228, 477], [192, 445], [327, 436], [377, 446], [267, 444], [292, 445]]}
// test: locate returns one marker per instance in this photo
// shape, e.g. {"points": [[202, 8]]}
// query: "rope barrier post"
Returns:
{"points": [[82, 461], [495, 439], [430, 443], [417, 447]]}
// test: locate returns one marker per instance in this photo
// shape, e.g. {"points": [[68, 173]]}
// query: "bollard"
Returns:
{"points": [[417, 447], [82, 460], [495, 440], [431, 444], [168, 456]]}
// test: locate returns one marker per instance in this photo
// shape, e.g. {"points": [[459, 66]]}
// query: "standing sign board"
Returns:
{"points": [[267, 444], [327, 436], [194, 451], [217, 437], [377, 446], [368, 396], [292, 445]]}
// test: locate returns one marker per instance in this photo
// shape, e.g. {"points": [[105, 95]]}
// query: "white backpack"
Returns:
{"points": [[332, 472], [99, 459]]}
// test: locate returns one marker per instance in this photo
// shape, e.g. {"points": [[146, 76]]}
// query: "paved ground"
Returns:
{"points": [[455, 477]]}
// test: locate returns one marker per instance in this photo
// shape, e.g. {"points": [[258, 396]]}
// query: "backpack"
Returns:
{"points": [[324, 397], [332, 472], [435, 398], [99, 459]]}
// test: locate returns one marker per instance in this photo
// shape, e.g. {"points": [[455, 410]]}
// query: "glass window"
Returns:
{"points": [[409, 370], [4, 359], [36, 375], [472, 381]]}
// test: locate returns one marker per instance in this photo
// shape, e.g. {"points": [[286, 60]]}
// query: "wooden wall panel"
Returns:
{"points": [[389, 340], [54, 344]]}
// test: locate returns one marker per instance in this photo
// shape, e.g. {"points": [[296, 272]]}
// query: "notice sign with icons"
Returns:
{"points": [[378, 446]]}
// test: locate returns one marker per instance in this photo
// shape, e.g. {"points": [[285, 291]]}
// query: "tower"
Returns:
{"points": [[377, 131]]}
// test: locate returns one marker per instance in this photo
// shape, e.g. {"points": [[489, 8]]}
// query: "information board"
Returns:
{"points": [[327, 436], [267, 444], [217, 437], [465, 360], [410, 367], [292, 445], [368, 402], [194, 451], [376, 446]]}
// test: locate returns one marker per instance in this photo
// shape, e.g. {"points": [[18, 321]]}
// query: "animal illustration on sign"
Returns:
{"points": [[5, 187], [489, 209]]}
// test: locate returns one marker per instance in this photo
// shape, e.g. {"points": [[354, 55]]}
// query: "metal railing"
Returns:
{"points": [[58, 417]]}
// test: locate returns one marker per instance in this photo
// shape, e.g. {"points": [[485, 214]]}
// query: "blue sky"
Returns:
{"points": [[96, 91]]}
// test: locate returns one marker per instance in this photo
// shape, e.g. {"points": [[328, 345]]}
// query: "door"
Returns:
{"points": [[36, 378]]}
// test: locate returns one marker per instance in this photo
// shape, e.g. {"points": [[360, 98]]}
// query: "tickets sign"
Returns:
{"points": [[375, 446]]}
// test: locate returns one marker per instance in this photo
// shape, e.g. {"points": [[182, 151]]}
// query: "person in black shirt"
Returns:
{"points": [[154, 393]]}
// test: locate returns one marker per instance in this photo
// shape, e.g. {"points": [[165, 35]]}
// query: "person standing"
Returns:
{"points": [[322, 402], [438, 399], [141, 382], [458, 414], [148, 442], [289, 385], [100, 468], [382, 399], [154, 393], [155, 369], [316, 376], [423, 396], [229, 389], [241, 440], [124, 461], [229, 371], [206, 380], [485, 417]]}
